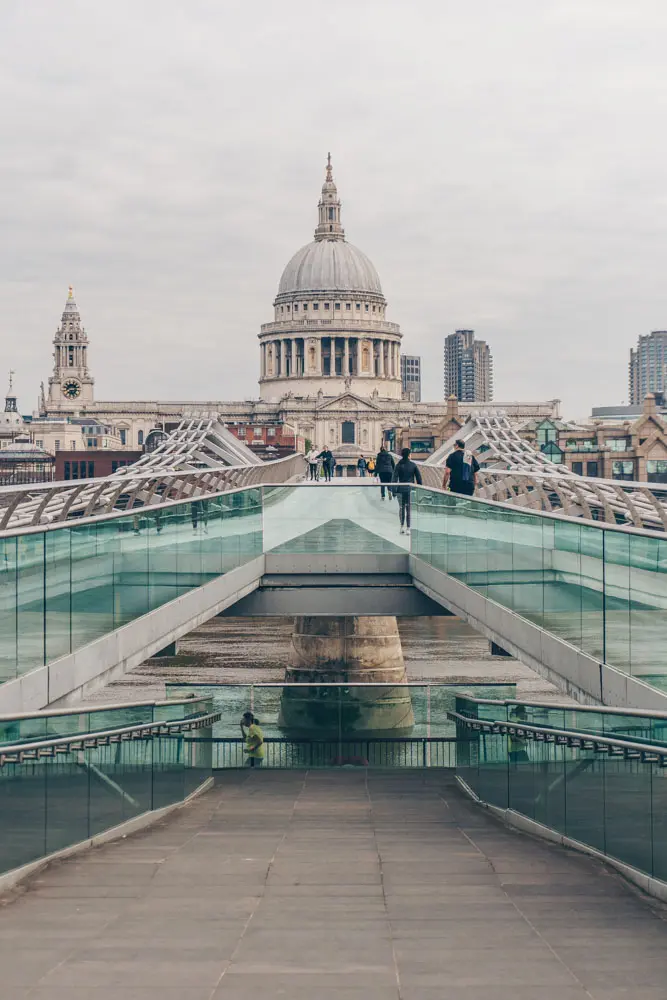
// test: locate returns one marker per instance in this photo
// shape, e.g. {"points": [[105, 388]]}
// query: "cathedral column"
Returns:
{"points": [[293, 363], [346, 357], [358, 356], [318, 355], [283, 358], [381, 358], [395, 364]]}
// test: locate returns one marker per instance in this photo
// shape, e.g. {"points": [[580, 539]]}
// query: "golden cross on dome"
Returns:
{"points": [[71, 293], [12, 373], [329, 168]]}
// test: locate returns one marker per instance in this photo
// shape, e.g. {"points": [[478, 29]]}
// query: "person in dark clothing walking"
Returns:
{"points": [[461, 471], [405, 473], [362, 466], [328, 463], [384, 469]]}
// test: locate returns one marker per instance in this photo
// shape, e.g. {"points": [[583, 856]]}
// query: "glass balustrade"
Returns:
{"points": [[614, 805], [600, 589], [54, 802]]}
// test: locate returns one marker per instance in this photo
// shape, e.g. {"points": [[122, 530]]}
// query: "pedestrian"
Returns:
{"points": [[328, 462], [312, 464], [384, 468], [405, 473], [518, 745], [254, 740], [461, 471], [361, 466], [370, 465]]}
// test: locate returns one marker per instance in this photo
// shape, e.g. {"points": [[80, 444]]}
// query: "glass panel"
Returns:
{"points": [[58, 593], [30, 602], [648, 606], [331, 519], [8, 609]]}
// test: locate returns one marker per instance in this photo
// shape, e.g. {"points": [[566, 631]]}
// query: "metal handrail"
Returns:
{"points": [[18, 753], [645, 753], [49, 713], [569, 707]]}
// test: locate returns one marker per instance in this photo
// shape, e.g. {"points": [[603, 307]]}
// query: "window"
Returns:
{"points": [[91, 470], [553, 452], [582, 444], [592, 469], [331, 214], [305, 307], [39, 442], [257, 432], [67, 470], [618, 444], [57, 444], [337, 306], [358, 305], [316, 305], [367, 307], [296, 307], [546, 432], [327, 305], [348, 306], [72, 446], [623, 470], [140, 438], [578, 468], [347, 432], [123, 435], [656, 470], [271, 432], [82, 469]]}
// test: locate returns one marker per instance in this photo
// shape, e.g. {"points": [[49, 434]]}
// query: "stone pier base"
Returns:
{"points": [[335, 650]]}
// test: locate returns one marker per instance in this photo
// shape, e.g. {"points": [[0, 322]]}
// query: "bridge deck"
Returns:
{"points": [[314, 886]]}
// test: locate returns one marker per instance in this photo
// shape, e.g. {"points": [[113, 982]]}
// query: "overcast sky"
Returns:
{"points": [[502, 164]]}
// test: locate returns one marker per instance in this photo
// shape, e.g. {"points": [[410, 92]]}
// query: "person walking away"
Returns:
{"points": [[254, 740], [461, 471], [370, 465], [361, 466], [327, 463], [384, 468], [406, 473], [312, 464]]}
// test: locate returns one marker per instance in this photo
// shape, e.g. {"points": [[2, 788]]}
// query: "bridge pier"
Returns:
{"points": [[343, 649]]}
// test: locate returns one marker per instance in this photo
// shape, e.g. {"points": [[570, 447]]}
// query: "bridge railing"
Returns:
{"points": [[60, 792], [602, 794], [53, 503]]}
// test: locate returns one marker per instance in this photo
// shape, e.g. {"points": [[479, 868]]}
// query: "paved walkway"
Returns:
{"points": [[323, 885]]}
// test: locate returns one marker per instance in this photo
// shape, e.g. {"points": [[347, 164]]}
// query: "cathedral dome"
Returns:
{"points": [[329, 265]]}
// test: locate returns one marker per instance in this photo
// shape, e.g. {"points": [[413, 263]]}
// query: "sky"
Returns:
{"points": [[502, 164]]}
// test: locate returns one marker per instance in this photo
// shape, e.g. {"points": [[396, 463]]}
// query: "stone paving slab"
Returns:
{"points": [[322, 885]]}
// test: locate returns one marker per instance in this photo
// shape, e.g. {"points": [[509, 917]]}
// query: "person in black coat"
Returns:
{"points": [[405, 473], [328, 463], [384, 469]]}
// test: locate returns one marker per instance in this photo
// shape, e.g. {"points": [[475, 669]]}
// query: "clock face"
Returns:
{"points": [[71, 389]]}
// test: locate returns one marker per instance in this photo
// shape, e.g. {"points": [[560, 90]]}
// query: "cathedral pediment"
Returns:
{"points": [[347, 401]]}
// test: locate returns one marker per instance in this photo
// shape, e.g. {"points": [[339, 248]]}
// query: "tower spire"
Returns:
{"points": [[329, 226], [10, 398]]}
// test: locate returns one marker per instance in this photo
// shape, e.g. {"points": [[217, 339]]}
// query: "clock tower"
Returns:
{"points": [[71, 385]]}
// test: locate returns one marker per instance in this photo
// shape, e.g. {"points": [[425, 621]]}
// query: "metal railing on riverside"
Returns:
{"points": [[380, 752]]}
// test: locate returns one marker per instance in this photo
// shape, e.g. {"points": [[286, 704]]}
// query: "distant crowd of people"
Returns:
{"points": [[397, 478]]}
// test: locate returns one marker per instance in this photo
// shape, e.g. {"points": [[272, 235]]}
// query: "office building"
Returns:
{"points": [[468, 368], [411, 377], [648, 366]]}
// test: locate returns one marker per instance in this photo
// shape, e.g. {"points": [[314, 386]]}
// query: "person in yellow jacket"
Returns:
{"points": [[254, 740]]}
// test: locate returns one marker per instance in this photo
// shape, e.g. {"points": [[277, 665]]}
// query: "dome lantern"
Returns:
{"points": [[329, 227]]}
